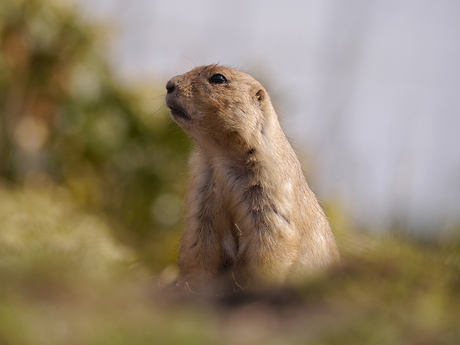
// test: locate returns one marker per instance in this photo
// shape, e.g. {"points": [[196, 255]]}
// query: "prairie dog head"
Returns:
{"points": [[220, 107]]}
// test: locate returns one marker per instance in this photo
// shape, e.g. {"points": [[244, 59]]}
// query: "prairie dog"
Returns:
{"points": [[251, 217]]}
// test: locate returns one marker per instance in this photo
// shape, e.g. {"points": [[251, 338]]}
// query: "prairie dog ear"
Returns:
{"points": [[260, 96]]}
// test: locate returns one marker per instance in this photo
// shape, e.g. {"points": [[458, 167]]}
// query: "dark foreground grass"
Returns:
{"points": [[65, 280]]}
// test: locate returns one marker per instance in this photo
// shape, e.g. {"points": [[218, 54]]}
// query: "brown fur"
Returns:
{"points": [[251, 216]]}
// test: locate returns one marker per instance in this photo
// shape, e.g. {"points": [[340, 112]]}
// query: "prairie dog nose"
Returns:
{"points": [[170, 86]]}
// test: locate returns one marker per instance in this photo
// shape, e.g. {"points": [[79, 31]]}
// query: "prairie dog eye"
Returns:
{"points": [[218, 79]]}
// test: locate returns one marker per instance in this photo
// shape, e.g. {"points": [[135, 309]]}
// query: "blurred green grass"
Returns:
{"points": [[66, 120], [65, 279], [91, 181]]}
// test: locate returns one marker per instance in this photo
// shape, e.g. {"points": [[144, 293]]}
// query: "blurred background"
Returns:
{"points": [[367, 90], [93, 170]]}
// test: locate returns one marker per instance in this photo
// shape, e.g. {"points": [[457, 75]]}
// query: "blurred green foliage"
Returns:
{"points": [[65, 120], [65, 280]]}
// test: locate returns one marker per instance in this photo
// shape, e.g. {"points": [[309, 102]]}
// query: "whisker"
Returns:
{"points": [[156, 111], [186, 139], [158, 97], [220, 60], [193, 62]]}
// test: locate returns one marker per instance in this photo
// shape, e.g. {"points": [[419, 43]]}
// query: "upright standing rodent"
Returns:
{"points": [[251, 217]]}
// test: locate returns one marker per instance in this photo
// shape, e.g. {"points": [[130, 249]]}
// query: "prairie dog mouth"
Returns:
{"points": [[177, 112]]}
